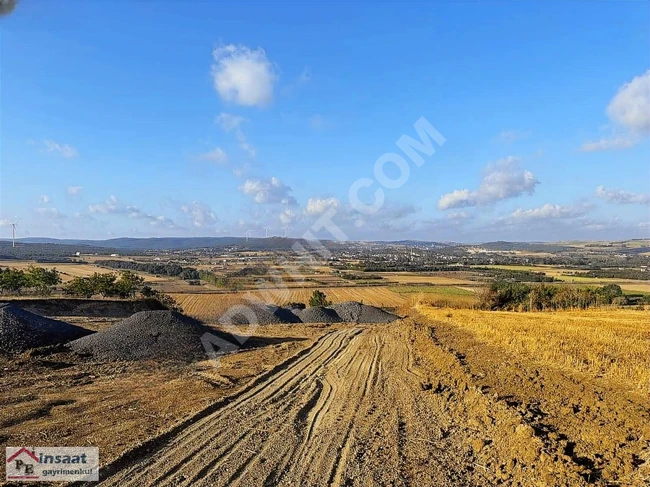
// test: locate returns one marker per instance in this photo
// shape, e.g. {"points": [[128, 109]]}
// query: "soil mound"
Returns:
{"points": [[21, 330], [355, 312], [147, 335], [318, 314]]}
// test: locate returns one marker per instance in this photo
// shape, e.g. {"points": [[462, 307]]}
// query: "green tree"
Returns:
{"points": [[128, 285], [13, 281], [81, 287], [318, 298], [104, 284], [42, 279]]}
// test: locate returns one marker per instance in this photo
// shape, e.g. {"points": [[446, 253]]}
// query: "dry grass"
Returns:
{"points": [[211, 306], [611, 344], [70, 271], [419, 278]]}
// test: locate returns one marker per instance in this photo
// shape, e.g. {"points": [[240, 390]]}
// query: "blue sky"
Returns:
{"points": [[206, 118]]}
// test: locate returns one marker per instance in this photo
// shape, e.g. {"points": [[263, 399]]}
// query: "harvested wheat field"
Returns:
{"points": [[579, 379], [212, 306], [420, 278]]}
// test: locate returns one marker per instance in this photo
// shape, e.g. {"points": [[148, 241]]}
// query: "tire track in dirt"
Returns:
{"points": [[352, 410]]}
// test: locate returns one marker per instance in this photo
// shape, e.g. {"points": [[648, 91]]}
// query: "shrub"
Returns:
{"points": [[318, 298]]}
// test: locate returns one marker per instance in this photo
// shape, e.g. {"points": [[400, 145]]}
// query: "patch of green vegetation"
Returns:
{"points": [[444, 290]]}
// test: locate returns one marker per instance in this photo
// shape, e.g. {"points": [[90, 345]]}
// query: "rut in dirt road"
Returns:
{"points": [[365, 406], [330, 418]]}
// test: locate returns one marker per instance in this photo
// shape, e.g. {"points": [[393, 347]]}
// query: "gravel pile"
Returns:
{"points": [[349, 312], [318, 314], [21, 330], [355, 312], [264, 315], [156, 335]]}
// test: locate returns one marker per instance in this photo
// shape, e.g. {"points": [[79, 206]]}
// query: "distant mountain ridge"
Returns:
{"points": [[271, 243]]}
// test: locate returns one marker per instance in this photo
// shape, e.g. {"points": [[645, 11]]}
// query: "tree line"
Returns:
{"points": [[157, 268], [517, 296], [39, 280]]}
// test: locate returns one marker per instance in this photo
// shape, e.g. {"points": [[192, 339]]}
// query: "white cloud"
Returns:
{"points": [[622, 197], [243, 76], [64, 150], [44, 199], [549, 212], [631, 105], [288, 216], [615, 142], [217, 156], [201, 215], [50, 213], [109, 206], [318, 206], [73, 190], [629, 110], [267, 192], [154, 220], [232, 124], [503, 179]]}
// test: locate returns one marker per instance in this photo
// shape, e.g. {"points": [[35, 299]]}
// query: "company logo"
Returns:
{"points": [[53, 464]]}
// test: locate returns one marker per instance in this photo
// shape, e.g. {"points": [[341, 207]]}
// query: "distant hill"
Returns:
{"points": [[526, 246], [175, 243]]}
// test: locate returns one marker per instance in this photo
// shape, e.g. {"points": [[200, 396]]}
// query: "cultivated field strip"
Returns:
{"points": [[312, 423], [212, 306]]}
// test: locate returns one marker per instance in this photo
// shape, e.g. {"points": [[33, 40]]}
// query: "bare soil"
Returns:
{"points": [[413, 403]]}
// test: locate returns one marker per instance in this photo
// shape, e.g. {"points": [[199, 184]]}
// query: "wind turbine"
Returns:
{"points": [[247, 234], [266, 232], [286, 229], [13, 233]]}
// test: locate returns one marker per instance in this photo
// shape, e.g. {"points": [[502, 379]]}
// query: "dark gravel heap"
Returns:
{"points": [[155, 335], [349, 312], [265, 315], [21, 330], [318, 314], [354, 312]]}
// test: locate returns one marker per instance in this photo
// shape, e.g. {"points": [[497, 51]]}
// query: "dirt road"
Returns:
{"points": [[359, 407]]}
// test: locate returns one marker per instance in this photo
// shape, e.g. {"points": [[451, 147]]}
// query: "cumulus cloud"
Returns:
{"points": [[243, 76], [50, 213], [201, 215], [153, 220], [109, 206], [232, 124], [629, 111], [288, 216], [549, 212], [615, 142], [630, 107], [217, 156], [503, 179], [622, 197], [73, 190], [64, 150], [268, 192], [318, 206]]}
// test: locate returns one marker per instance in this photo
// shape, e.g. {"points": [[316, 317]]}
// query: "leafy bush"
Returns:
{"points": [[318, 298]]}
